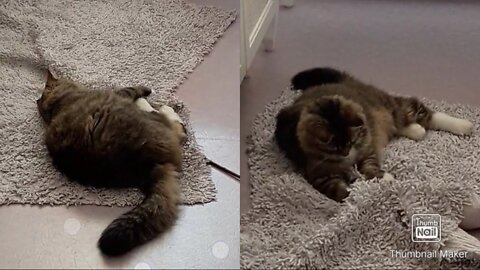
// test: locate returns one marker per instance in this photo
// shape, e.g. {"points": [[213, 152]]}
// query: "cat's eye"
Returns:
{"points": [[332, 150], [337, 149]]}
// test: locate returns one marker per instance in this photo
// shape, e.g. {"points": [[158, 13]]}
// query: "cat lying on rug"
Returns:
{"points": [[116, 139], [339, 122]]}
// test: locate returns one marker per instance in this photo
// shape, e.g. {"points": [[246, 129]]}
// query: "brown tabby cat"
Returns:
{"points": [[102, 139], [339, 122]]}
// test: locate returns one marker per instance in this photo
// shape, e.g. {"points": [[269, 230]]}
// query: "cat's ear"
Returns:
{"points": [[352, 117], [323, 106], [357, 121], [51, 80]]}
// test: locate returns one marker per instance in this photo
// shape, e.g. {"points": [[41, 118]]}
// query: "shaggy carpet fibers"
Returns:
{"points": [[99, 44], [291, 225]]}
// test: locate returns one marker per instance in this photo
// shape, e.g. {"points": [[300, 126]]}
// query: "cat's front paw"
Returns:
{"points": [[388, 177], [462, 127], [340, 193], [335, 189]]}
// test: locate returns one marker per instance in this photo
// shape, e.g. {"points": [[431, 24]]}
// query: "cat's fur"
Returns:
{"points": [[339, 122], [102, 139]]}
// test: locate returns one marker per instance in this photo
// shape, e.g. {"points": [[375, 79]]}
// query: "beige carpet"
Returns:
{"points": [[100, 44]]}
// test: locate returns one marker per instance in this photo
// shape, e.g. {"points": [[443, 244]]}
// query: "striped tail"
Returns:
{"points": [[156, 213], [317, 76]]}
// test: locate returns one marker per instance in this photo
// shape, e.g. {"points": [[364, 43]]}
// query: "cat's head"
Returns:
{"points": [[332, 126], [53, 90]]}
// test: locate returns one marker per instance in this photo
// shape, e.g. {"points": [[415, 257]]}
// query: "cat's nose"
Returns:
{"points": [[345, 152]]}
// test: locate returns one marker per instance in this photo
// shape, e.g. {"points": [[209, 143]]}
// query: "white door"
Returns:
{"points": [[258, 24]]}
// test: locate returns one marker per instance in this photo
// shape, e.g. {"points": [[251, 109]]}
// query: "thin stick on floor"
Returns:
{"points": [[223, 169]]}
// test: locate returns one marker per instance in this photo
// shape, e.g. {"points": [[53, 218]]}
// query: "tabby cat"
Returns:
{"points": [[103, 139], [339, 122]]}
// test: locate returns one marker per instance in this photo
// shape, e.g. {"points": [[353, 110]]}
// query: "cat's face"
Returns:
{"points": [[332, 126]]}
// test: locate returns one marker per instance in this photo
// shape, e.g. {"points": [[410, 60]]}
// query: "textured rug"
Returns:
{"points": [[100, 44], [291, 225]]}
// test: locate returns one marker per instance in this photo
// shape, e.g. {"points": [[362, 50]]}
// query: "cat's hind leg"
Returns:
{"points": [[143, 105], [171, 114], [445, 122], [178, 123], [414, 111], [413, 131], [168, 111]]}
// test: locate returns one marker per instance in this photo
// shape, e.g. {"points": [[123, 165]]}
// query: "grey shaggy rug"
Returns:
{"points": [[100, 44], [291, 225]]}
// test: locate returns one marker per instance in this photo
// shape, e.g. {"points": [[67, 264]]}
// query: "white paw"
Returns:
{"points": [[443, 121], [170, 114], [143, 105], [462, 127], [414, 131], [388, 177]]}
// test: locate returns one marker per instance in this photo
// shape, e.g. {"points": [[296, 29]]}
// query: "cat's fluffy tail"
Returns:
{"points": [[153, 216], [316, 76]]}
